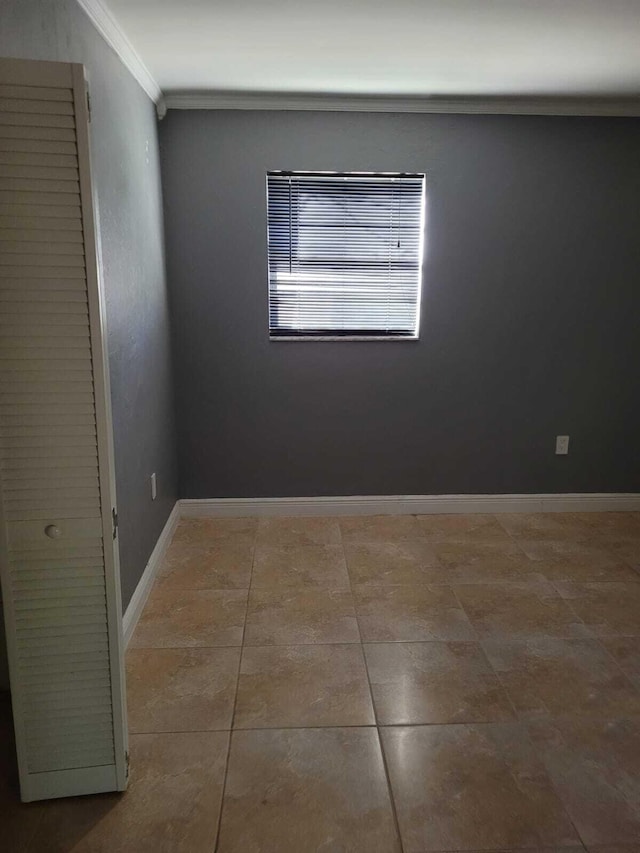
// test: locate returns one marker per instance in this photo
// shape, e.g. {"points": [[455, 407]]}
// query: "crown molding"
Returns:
{"points": [[524, 105], [112, 32]]}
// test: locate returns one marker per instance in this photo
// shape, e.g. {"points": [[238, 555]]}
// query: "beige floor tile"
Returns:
{"points": [[305, 790], [613, 848], [181, 690], [608, 609], [611, 525], [171, 806], [556, 677], [595, 767], [282, 686], [301, 615], [471, 787], [207, 530], [577, 561], [518, 610], [298, 531], [626, 652], [482, 562], [410, 613], [379, 528], [222, 564], [462, 528], [434, 683], [572, 849], [279, 566], [542, 525], [409, 561], [627, 551], [179, 618]]}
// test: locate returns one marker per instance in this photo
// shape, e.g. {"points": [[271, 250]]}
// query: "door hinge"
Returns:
{"points": [[127, 762], [114, 520], [88, 104]]}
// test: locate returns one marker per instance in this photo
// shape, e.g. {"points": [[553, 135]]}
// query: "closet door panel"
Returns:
{"points": [[59, 566]]}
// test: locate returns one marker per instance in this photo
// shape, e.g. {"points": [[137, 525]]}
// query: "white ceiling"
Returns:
{"points": [[389, 47]]}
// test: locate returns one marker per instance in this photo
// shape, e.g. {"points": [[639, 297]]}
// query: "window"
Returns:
{"points": [[345, 254]]}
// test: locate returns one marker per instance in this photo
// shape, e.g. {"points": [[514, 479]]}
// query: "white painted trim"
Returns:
{"points": [[522, 105], [111, 31], [104, 424], [141, 593], [407, 505], [70, 783]]}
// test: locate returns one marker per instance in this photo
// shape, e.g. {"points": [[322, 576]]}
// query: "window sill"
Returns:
{"points": [[334, 338]]}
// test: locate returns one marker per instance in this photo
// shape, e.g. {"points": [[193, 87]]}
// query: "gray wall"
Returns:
{"points": [[127, 181], [530, 323]]}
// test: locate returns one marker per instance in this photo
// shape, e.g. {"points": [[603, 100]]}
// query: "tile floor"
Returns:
{"points": [[402, 683]]}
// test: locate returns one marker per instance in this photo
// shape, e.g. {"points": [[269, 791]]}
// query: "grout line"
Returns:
{"points": [[392, 802], [525, 723], [552, 784], [454, 592], [385, 765], [590, 633], [521, 722], [594, 545], [475, 582], [235, 700], [353, 598], [503, 638], [628, 678], [222, 793], [517, 717], [242, 643]]}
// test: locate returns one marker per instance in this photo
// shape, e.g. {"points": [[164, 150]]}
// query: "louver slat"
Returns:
{"points": [[37, 93]]}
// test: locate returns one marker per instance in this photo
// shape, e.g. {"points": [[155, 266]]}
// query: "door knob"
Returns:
{"points": [[53, 531]]}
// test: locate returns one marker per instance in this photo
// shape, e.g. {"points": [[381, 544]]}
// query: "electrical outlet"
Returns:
{"points": [[562, 445], [154, 487]]}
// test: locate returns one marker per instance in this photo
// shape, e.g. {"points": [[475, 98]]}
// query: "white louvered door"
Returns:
{"points": [[58, 557]]}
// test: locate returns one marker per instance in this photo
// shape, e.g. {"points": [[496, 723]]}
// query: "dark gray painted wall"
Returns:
{"points": [[530, 322], [127, 181]]}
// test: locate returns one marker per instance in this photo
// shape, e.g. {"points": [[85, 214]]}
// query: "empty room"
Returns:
{"points": [[319, 418]]}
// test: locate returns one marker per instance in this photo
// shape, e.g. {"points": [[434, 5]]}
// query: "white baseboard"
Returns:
{"points": [[407, 505], [141, 593]]}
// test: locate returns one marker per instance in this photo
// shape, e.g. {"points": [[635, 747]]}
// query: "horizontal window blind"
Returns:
{"points": [[344, 254]]}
